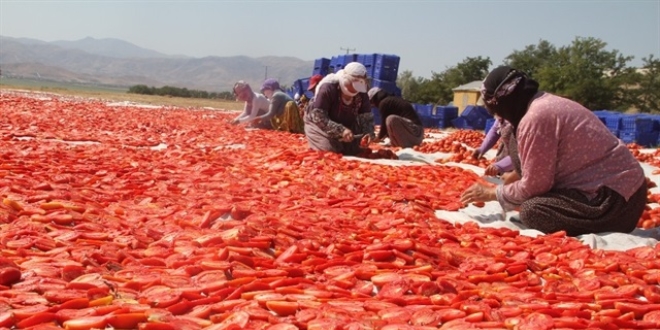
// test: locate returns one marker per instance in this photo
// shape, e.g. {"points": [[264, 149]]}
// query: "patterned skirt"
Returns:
{"points": [[571, 211], [290, 120]]}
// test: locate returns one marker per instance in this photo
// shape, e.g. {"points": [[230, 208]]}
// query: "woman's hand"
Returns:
{"points": [[476, 154], [492, 170], [366, 140], [478, 193], [347, 135], [233, 122]]}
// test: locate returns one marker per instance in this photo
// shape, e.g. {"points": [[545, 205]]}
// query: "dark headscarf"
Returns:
{"points": [[507, 93]]}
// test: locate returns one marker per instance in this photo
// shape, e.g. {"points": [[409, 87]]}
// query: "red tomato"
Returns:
{"points": [[126, 320], [36, 319], [282, 308], [85, 323]]}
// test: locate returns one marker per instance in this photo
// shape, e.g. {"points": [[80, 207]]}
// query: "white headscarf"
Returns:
{"points": [[354, 72]]}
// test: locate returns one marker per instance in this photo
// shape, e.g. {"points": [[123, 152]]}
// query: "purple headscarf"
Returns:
{"points": [[271, 84]]}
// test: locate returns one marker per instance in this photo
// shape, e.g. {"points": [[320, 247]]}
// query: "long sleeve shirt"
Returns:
{"points": [[333, 116], [252, 109], [563, 145], [505, 165], [393, 105], [276, 106], [491, 138]]}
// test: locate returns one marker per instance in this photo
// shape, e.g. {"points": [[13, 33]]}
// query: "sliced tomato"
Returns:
{"points": [[282, 308], [126, 320], [86, 323], [36, 319]]}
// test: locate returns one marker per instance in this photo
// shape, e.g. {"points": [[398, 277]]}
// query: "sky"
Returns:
{"points": [[428, 36]]}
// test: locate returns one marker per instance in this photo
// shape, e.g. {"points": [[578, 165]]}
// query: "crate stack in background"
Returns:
{"points": [[472, 117], [321, 66], [643, 129], [489, 124], [382, 69], [435, 116]]}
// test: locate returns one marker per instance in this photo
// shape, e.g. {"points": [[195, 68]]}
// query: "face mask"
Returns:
{"points": [[345, 90], [360, 85]]}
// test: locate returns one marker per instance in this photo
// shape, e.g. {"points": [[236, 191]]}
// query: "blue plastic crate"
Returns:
{"points": [[388, 86], [489, 124], [443, 122], [461, 123], [446, 111], [386, 67], [434, 122], [646, 139], [321, 66], [476, 116], [613, 121], [636, 123], [615, 132], [425, 110], [339, 62]]}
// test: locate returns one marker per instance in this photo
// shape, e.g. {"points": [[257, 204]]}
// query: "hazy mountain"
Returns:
{"points": [[110, 47], [116, 62]]}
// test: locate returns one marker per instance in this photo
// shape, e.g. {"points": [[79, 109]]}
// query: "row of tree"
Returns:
{"points": [[583, 71], [179, 92]]}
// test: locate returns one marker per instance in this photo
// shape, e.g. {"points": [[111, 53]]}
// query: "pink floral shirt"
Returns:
{"points": [[564, 145]]}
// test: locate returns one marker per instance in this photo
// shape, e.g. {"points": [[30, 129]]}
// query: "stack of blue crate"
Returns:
{"points": [[385, 67], [424, 112], [443, 115], [321, 66], [472, 117], [339, 62], [388, 86], [300, 87], [613, 122], [638, 129], [602, 115], [435, 117]]}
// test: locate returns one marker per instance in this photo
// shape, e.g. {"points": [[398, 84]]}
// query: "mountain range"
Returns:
{"points": [[115, 62]]}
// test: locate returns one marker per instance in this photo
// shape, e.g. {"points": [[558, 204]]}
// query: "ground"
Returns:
{"points": [[127, 216]]}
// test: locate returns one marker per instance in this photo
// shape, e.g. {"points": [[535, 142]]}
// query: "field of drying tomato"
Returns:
{"points": [[233, 229]]}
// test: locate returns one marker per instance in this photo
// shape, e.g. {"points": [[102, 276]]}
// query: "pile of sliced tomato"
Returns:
{"points": [[234, 229]]}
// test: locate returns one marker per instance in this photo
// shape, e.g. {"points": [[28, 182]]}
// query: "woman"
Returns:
{"points": [[282, 114], [576, 176], [507, 161], [255, 104], [339, 110], [400, 120]]}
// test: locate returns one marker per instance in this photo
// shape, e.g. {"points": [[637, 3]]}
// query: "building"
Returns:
{"points": [[468, 94]]}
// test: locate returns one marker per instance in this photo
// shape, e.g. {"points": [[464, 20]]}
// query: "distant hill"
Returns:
{"points": [[120, 63]]}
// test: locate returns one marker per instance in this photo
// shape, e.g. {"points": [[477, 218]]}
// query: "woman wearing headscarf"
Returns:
{"points": [[340, 109], [282, 114], [576, 176], [400, 120], [255, 104]]}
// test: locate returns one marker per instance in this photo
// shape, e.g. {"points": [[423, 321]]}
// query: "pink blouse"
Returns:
{"points": [[564, 145]]}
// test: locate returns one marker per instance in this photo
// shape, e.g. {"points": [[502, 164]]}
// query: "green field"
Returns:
{"points": [[112, 93]]}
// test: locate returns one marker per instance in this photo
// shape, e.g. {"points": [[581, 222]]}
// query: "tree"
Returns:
{"points": [[532, 58], [648, 91], [471, 69], [409, 85], [587, 73]]}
